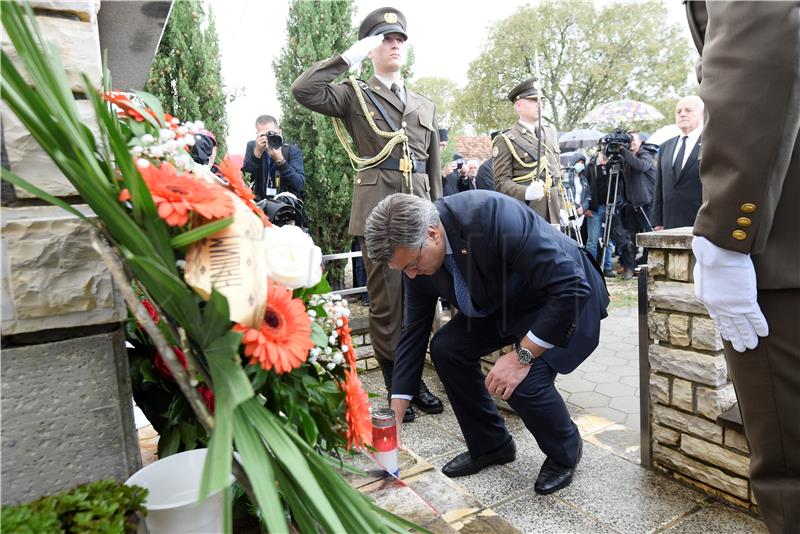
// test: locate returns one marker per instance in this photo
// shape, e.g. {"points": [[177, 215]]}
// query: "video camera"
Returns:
{"points": [[283, 209], [274, 139], [614, 142]]}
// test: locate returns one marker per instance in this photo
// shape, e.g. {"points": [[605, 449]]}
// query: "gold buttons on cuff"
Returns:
{"points": [[743, 221], [739, 235], [748, 207], [404, 124], [358, 180]]}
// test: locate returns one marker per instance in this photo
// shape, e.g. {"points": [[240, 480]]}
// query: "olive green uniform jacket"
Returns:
{"points": [[315, 90], [506, 167]]}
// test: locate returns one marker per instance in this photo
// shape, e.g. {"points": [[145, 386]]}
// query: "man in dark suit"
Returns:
{"points": [[515, 280], [273, 170], [678, 190], [746, 244]]}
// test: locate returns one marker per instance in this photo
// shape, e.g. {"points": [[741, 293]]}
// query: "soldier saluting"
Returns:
{"points": [[396, 151], [524, 167]]}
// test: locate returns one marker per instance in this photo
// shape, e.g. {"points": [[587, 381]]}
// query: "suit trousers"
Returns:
{"points": [[385, 290], [456, 350], [767, 383]]}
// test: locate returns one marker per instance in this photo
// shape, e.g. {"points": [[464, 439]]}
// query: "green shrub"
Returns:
{"points": [[104, 507]]}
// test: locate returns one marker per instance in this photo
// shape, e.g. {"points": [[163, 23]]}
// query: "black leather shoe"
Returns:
{"points": [[464, 464], [427, 401], [409, 415], [553, 476]]}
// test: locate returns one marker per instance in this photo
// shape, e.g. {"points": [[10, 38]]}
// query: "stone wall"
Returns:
{"points": [[689, 382], [66, 397]]}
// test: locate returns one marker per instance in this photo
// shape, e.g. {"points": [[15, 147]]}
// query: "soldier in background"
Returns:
{"points": [[523, 167], [373, 112]]}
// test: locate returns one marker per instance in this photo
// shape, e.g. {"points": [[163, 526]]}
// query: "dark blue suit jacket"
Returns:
{"points": [[292, 173], [522, 272]]}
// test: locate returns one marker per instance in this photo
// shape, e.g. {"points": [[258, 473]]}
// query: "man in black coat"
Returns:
{"points": [[679, 193], [273, 170], [639, 172], [515, 280]]}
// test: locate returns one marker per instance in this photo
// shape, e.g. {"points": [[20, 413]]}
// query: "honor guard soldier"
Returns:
{"points": [[396, 151], [524, 167]]}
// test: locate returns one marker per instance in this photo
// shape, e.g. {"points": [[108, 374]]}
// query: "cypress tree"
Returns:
{"points": [[186, 74], [317, 30]]}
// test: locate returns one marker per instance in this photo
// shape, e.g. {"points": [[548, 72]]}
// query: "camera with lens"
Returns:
{"points": [[614, 142], [274, 139]]}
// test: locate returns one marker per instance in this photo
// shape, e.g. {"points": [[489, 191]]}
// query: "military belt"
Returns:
{"points": [[403, 164]]}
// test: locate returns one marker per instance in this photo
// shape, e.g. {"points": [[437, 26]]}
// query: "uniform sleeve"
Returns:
{"points": [[751, 90], [503, 168], [434, 163], [315, 89]]}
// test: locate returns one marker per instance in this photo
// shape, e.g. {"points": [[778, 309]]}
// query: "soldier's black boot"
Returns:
{"points": [[427, 401], [387, 367]]}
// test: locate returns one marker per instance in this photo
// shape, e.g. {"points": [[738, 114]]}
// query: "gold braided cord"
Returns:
{"points": [[393, 138]]}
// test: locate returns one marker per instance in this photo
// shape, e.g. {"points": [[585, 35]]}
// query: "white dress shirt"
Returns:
{"points": [[388, 83], [691, 140]]}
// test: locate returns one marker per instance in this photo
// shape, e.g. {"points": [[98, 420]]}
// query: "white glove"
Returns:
{"points": [[535, 191], [356, 53], [725, 281], [563, 217]]}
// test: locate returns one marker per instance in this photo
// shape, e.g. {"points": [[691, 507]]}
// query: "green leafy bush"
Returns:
{"points": [[104, 507]]}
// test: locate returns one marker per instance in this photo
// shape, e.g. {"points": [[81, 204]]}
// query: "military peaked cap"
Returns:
{"points": [[527, 89], [382, 21]]}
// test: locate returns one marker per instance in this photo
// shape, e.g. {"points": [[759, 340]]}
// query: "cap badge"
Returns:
{"points": [[390, 17]]}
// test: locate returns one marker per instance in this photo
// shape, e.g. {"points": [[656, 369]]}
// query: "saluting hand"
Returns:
{"points": [[356, 53]]}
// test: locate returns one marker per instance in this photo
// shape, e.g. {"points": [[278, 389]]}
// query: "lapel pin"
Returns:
{"points": [[464, 251]]}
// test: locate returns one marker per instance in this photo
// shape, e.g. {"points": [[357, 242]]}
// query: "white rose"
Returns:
{"points": [[292, 258]]}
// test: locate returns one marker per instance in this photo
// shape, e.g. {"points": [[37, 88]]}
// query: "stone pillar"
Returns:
{"points": [[689, 383], [66, 396]]}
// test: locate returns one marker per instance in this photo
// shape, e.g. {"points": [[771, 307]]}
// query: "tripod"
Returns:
{"points": [[613, 176], [568, 200]]}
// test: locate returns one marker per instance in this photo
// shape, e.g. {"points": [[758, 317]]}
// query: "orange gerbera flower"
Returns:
{"points": [[126, 106], [359, 421], [176, 195], [234, 177], [346, 341], [283, 341]]}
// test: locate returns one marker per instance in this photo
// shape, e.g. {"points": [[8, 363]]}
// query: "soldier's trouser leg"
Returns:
{"points": [[385, 288], [767, 382]]}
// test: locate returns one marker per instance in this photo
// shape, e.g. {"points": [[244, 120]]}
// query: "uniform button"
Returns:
{"points": [[372, 113], [358, 180], [404, 124], [743, 221], [739, 235], [748, 207]]}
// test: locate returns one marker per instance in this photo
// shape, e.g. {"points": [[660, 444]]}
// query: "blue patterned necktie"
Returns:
{"points": [[462, 291]]}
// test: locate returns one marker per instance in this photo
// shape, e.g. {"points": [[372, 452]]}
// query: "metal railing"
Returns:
{"points": [[646, 450], [344, 256]]}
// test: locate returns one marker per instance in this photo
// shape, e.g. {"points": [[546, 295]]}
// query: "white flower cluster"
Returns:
{"points": [[336, 310], [173, 144]]}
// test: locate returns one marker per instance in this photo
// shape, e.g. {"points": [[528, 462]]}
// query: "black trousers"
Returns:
{"points": [[456, 350]]}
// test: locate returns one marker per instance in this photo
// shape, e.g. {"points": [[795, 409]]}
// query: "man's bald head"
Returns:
{"points": [[689, 113]]}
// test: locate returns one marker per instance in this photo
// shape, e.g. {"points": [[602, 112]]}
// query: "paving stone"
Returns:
{"points": [[630, 380], [610, 360], [641, 500], [624, 370], [601, 377], [621, 346], [628, 404], [449, 498], [486, 520], [719, 518], [392, 495], [589, 421], [548, 514], [589, 399], [611, 414], [615, 390], [574, 385], [590, 366], [620, 440], [634, 421], [430, 440], [495, 483]]}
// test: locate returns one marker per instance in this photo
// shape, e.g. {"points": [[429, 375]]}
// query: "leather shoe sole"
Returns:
{"points": [[554, 476], [464, 464]]}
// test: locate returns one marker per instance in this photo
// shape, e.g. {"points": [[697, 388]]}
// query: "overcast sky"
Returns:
{"points": [[446, 35]]}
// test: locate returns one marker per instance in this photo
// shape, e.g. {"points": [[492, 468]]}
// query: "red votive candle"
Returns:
{"points": [[384, 439]]}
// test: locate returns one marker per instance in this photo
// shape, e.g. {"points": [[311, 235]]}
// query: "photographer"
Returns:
{"points": [[274, 166], [639, 172], [457, 175]]}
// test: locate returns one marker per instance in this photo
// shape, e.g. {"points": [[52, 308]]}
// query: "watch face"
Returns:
{"points": [[524, 356]]}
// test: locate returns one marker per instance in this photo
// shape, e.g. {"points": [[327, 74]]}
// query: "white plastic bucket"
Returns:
{"points": [[174, 484]]}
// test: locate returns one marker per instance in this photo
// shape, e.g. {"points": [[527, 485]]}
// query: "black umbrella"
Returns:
{"points": [[581, 138]]}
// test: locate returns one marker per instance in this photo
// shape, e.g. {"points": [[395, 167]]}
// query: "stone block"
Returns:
{"points": [[727, 497], [658, 325], [690, 424], [705, 335], [67, 416], [699, 471], [77, 41], [659, 388], [716, 455], [674, 238], [678, 265], [712, 402], [656, 262], [679, 330], [694, 366], [51, 275], [29, 161], [682, 395], [675, 296], [736, 440], [665, 435]]}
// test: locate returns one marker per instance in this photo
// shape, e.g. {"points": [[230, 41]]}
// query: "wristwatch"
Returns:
{"points": [[524, 356]]}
